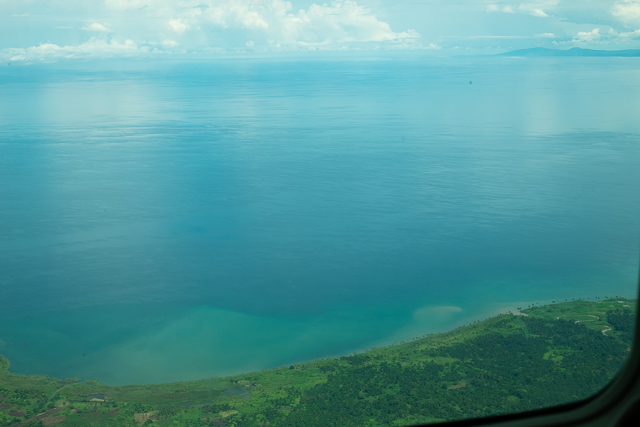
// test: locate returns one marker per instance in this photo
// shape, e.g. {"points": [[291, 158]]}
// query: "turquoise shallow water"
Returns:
{"points": [[183, 220]]}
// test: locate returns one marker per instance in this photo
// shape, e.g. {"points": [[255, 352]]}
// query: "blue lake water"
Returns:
{"points": [[178, 220]]}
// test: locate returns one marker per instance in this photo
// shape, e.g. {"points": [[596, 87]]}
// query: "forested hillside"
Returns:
{"points": [[547, 356]]}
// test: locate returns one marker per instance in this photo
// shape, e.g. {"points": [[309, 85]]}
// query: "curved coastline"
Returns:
{"points": [[244, 399]]}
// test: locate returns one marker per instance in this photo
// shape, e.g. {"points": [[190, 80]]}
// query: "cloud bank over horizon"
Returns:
{"points": [[144, 27], [51, 30]]}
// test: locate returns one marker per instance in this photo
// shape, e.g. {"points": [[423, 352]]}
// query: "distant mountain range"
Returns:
{"points": [[576, 51]]}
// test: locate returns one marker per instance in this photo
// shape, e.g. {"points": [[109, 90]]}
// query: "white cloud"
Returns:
{"points": [[496, 8], [126, 4], [534, 9], [342, 21], [621, 37], [272, 22], [97, 27], [225, 25], [630, 35], [487, 37], [94, 48], [587, 36], [276, 25], [178, 26], [627, 11], [610, 38]]}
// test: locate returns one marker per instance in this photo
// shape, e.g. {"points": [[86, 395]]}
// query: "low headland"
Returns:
{"points": [[534, 357]]}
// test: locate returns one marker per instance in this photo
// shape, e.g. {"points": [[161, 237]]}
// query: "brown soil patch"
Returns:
{"points": [[5, 406], [18, 414], [51, 421], [463, 384], [39, 417], [142, 417], [113, 411]]}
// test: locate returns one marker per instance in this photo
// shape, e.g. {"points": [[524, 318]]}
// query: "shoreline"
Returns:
{"points": [[498, 309], [397, 337], [422, 366]]}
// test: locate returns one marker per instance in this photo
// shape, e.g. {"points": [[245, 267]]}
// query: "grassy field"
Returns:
{"points": [[283, 395]]}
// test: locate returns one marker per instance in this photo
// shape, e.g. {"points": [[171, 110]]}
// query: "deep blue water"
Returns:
{"points": [[170, 221]]}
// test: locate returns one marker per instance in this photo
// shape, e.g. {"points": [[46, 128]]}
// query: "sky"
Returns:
{"points": [[53, 30]]}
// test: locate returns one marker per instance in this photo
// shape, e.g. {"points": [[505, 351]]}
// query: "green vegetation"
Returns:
{"points": [[550, 355]]}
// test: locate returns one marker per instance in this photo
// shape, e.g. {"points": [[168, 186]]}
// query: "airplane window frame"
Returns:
{"points": [[614, 405]]}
